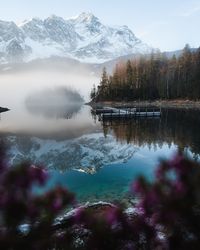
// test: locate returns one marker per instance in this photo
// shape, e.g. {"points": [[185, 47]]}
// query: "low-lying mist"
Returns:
{"points": [[59, 102], [18, 85]]}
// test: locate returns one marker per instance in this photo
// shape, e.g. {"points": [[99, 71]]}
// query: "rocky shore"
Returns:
{"points": [[81, 234], [176, 104]]}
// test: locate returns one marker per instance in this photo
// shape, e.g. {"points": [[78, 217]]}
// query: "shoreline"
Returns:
{"points": [[173, 104], [3, 109]]}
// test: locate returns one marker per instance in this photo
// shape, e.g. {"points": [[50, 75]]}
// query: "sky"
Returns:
{"points": [[167, 25]]}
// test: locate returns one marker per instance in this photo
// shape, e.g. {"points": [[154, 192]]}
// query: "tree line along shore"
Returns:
{"points": [[155, 78]]}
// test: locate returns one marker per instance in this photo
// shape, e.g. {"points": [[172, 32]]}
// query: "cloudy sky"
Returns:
{"points": [[167, 25]]}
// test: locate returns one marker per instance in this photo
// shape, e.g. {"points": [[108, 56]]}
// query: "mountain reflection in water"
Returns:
{"points": [[88, 153], [116, 141], [99, 160]]}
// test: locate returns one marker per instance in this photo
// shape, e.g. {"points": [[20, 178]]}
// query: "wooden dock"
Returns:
{"points": [[126, 113]]}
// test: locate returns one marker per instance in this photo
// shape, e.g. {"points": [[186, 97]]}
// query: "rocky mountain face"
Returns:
{"points": [[83, 38]]}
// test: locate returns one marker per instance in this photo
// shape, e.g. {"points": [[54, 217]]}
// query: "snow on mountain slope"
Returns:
{"points": [[83, 38]]}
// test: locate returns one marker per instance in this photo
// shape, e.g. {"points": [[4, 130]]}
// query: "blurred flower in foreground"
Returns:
{"points": [[166, 215]]}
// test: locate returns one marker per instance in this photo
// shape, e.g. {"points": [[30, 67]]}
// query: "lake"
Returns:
{"points": [[96, 160]]}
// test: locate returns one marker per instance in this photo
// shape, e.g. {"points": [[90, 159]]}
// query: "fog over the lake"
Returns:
{"points": [[59, 102], [17, 86]]}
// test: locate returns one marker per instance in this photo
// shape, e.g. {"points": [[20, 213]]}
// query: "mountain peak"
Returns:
{"points": [[31, 20], [83, 38], [55, 18], [86, 17]]}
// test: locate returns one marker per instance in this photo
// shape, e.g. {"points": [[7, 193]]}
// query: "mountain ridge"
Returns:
{"points": [[83, 38]]}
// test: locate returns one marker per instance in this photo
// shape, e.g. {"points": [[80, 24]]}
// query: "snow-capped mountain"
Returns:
{"points": [[83, 38]]}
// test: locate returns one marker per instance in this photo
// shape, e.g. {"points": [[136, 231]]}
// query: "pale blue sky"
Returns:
{"points": [[165, 24]]}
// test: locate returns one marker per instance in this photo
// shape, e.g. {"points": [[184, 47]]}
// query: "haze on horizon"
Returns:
{"points": [[165, 25]]}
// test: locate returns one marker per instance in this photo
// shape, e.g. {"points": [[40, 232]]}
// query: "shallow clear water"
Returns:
{"points": [[111, 182], [96, 160]]}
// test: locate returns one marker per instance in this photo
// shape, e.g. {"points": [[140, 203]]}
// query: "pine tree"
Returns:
{"points": [[93, 93], [103, 84], [154, 77]]}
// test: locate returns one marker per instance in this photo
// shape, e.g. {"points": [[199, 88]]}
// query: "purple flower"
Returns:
{"points": [[137, 187], [176, 161], [38, 174], [180, 165], [180, 188], [161, 171], [141, 207], [57, 204], [152, 198], [79, 214], [112, 216]]}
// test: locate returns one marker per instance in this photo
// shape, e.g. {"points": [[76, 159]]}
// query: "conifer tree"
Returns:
{"points": [[153, 77]]}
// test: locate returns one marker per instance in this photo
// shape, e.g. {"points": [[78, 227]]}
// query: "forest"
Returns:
{"points": [[152, 77]]}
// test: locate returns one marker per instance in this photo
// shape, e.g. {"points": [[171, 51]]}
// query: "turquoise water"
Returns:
{"points": [[99, 160], [112, 182]]}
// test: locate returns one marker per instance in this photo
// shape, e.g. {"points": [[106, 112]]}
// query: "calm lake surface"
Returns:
{"points": [[96, 160]]}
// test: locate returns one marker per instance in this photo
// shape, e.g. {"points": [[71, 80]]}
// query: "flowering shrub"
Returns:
{"points": [[18, 205], [166, 216]]}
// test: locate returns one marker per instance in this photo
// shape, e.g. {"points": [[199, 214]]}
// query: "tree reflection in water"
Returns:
{"points": [[179, 127]]}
